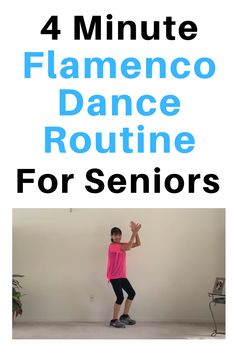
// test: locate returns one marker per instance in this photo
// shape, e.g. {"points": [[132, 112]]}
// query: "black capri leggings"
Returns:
{"points": [[118, 285]]}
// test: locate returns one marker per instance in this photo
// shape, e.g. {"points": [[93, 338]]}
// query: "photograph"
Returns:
{"points": [[219, 286], [117, 273]]}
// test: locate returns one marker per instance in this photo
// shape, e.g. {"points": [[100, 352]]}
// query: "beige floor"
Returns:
{"points": [[101, 330]]}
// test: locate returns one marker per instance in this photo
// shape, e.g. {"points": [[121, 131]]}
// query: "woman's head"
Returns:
{"points": [[116, 234]]}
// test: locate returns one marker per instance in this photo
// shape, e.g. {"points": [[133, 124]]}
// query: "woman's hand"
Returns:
{"points": [[135, 227]]}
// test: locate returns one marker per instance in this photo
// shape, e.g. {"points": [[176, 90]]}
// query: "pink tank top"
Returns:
{"points": [[116, 266]]}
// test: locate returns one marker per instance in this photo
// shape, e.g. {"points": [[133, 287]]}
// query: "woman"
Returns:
{"points": [[116, 273]]}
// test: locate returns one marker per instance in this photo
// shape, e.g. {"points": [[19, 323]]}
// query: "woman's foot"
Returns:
{"points": [[127, 320], [117, 324]]}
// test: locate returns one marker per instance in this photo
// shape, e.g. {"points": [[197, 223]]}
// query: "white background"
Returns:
{"points": [[207, 111]]}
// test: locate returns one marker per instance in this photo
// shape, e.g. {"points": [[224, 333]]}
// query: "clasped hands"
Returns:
{"points": [[135, 227]]}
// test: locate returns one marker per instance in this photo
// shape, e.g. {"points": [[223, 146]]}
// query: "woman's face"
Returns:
{"points": [[116, 238]]}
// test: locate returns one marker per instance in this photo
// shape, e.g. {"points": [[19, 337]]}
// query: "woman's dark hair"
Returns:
{"points": [[115, 231]]}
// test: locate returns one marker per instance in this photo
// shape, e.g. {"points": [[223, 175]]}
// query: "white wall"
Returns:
{"points": [[63, 257]]}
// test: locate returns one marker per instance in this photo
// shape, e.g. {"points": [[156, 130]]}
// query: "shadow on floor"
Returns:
{"points": [[101, 330]]}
